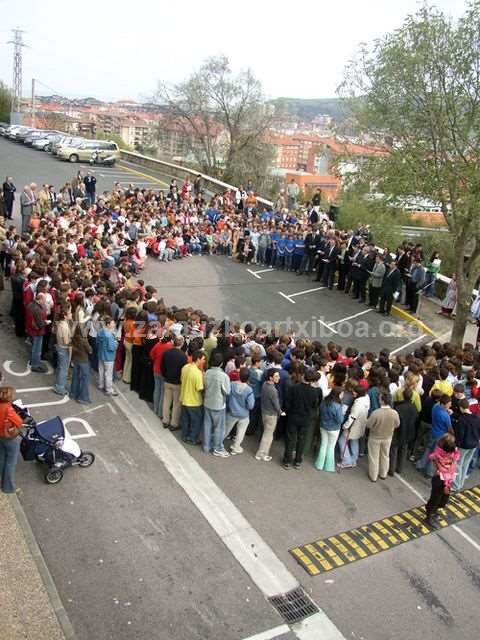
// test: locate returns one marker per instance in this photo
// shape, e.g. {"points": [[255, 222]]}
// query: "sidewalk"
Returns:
{"points": [[26, 600]]}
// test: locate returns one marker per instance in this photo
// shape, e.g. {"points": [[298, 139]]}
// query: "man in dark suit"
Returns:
{"points": [[308, 258], [8, 189], [330, 263], [90, 183], [392, 283], [321, 247]]}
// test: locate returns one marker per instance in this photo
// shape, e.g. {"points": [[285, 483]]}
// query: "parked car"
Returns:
{"points": [[66, 141], [37, 135], [42, 144], [13, 130], [22, 134], [84, 151], [3, 128]]}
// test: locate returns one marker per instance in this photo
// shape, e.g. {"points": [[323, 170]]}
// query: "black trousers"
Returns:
{"points": [[295, 437], [438, 497], [398, 455], [386, 301], [320, 267], [342, 274], [374, 294], [255, 423], [329, 271]]}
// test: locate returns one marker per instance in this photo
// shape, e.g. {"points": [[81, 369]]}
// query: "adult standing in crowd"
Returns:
{"points": [[27, 206], [172, 363], [217, 388], [8, 190], [381, 425]]}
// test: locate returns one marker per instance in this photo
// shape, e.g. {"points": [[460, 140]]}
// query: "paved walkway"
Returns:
{"points": [[26, 609]]}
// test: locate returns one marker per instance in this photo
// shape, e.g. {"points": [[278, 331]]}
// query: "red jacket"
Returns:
{"points": [[35, 319], [8, 417]]}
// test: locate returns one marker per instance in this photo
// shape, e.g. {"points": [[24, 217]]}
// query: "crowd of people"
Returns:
{"points": [[79, 299]]}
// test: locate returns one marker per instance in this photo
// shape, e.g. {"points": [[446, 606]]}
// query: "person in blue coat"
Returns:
{"points": [[106, 350]]}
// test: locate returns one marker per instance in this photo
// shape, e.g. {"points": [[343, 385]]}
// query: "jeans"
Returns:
{"points": [[105, 376], [241, 424], [158, 394], [288, 261], [424, 463], [8, 461], [429, 286], [191, 420], [466, 456], [91, 197], [351, 451], [326, 456], [61, 371], [213, 429], [80, 381], [36, 357]]}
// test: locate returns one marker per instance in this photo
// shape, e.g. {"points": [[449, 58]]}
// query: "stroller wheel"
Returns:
{"points": [[86, 459], [53, 476]]}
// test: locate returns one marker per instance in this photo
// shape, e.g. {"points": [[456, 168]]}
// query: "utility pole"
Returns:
{"points": [[18, 45], [32, 108]]}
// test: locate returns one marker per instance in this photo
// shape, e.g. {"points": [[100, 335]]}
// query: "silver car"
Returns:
{"points": [[66, 141], [43, 144]]}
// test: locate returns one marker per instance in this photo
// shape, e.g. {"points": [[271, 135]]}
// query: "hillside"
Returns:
{"points": [[307, 109]]}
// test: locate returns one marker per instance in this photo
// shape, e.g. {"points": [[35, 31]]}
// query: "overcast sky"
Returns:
{"points": [[114, 49]]}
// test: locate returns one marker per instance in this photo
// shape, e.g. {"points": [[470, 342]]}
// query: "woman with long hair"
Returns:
{"points": [[331, 418]]}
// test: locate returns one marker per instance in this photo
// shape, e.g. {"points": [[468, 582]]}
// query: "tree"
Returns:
{"points": [[420, 89], [222, 118], [5, 102]]}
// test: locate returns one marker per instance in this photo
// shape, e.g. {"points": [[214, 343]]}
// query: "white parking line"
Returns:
{"points": [[350, 317], [327, 325], [301, 293], [255, 273], [286, 297], [407, 345], [271, 633]]}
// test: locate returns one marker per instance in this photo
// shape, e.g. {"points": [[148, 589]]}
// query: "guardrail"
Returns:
{"points": [[173, 170]]}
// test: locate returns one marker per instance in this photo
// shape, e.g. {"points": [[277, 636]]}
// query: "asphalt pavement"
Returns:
{"points": [[134, 555]]}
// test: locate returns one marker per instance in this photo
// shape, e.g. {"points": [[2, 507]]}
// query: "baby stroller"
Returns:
{"points": [[48, 443]]}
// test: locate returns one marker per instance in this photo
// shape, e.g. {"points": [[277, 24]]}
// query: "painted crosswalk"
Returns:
{"points": [[368, 540]]}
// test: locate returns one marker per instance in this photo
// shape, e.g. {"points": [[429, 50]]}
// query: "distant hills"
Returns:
{"points": [[307, 109]]}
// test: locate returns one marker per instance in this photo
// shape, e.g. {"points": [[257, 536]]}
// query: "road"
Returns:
{"points": [[155, 540]]}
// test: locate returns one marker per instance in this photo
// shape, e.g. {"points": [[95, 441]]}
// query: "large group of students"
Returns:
{"points": [[79, 299]]}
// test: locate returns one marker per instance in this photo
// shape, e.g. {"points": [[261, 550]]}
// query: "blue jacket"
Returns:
{"points": [[106, 345], [440, 421], [241, 400], [331, 416]]}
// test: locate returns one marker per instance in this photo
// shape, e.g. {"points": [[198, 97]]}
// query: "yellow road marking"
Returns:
{"points": [[368, 540], [376, 538], [330, 553], [319, 557], [398, 531], [357, 548], [306, 561], [342, 548], [144, 175]]}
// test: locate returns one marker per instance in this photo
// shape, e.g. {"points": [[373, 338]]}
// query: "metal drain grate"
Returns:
{"points": [[294, 605]]}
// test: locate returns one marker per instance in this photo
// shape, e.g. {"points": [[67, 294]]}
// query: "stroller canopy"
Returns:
{"points": [[51, 429]]}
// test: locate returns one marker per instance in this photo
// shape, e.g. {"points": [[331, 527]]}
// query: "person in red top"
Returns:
{"points": [[36, 323], [9, 419], [156, 356]]}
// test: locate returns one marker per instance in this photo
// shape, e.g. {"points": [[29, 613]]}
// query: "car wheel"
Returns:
{"points": [[45, 148], [73, 157]]}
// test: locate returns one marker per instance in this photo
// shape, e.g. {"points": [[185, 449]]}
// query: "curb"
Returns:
{"points": [[404, 315], [51, 589]]}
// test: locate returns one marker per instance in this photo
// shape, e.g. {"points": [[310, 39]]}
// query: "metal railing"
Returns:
{"points": [[173, 170]]}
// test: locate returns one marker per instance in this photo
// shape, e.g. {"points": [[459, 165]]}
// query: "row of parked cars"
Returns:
{"points": [[62, 145]]}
